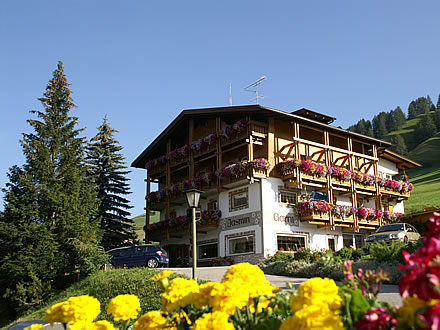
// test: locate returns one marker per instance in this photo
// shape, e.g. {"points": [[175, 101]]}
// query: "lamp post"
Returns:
{"points": [[193, 197]]}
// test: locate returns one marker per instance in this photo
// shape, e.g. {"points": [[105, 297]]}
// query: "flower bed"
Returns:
{"points": [[244, 299]]}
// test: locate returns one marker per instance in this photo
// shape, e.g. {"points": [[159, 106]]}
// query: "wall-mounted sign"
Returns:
{"points": [[289, 219], [243, 220]]}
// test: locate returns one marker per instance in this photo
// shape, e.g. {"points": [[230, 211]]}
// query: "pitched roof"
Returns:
{"points": [[402, 163], [232, 111]]}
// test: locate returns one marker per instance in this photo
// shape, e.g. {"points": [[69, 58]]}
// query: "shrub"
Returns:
{"points": [[279, 257], [105, 285], [303, 255], [346, 253]]}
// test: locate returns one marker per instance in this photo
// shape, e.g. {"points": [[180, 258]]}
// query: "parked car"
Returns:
{"points": [[149, 255], [395, 232]]}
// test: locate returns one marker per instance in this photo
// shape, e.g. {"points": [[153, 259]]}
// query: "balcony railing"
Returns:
{"points": [[314, 171], [256, 168], [343, 214], [208, 218]]}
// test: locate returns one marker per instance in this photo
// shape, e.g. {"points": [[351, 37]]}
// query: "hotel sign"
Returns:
{"points": [[289, 219], [243, 220]]}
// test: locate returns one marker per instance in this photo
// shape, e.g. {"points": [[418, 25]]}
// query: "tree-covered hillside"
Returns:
{"points": [[416, 136]]}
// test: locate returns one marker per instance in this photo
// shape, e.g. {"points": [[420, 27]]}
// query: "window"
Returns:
{"points": [[238, 200], [291, 243], [332, 244], [354, 241], [243, 244], [208, 251], [287, 197], [213, 205]]}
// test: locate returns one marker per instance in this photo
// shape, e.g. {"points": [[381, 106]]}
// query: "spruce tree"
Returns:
{"points": [[399, 145], [438, 102], [110, 175], [48, 203], [380, 125], [425, 128], [412, 110]]}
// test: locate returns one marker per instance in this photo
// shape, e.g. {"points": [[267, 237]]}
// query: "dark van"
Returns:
{"points": [[150, 255]]}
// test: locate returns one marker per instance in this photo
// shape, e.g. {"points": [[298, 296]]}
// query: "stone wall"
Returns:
{"points": [[250, 258]]}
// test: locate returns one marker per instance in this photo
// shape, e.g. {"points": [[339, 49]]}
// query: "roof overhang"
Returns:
{"points": [[232, 111], [401, 162]]}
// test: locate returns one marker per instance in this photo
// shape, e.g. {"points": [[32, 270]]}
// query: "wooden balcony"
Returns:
{"points": [[388, 192], [234, 138], [361, 186], [260, 173], [368, 224], [313, 178], [179, 161], [344, 221], [315, 216], [340, 182]]}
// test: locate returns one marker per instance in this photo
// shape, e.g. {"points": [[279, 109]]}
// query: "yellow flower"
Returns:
{"points": [[317, 290], [226, 297], [124, 307], [153, 320], [406, 315], [249, 277], [179, 293], [178, 317], [203, 297], [75, 309], [317, 316], [161, 276], [241, 283], [263, 304], [213, 321], [100, 325], [34, 327]]}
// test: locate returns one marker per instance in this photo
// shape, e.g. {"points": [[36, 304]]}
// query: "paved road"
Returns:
{"points": [[389, 293]]}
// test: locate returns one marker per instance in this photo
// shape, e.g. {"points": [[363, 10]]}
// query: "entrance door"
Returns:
{"points": [[178, 255]]}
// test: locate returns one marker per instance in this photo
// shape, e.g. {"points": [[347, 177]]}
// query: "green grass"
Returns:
{"points": [[104, 286], [426, 180], [140, 223]]}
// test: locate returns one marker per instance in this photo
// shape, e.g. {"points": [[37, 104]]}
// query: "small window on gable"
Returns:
{"points": [[238, 199]]}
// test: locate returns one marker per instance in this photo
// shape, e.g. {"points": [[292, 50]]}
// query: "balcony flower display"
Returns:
{"points": [[340, 173], [314, 206], [287, 167], [260, 163], [313, 168], [364, 178], [234, 129], [178, 153], [343, 211], [210, 215], [232, 170], [391, 216], [204, 142], [156, 162]]}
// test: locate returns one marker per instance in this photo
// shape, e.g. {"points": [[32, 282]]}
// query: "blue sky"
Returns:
{"points": [[142, 62]]}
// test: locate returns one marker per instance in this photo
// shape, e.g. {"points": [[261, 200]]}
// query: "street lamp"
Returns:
{"points": [[193, 197]]}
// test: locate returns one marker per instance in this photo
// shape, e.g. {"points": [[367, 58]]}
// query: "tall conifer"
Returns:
{"points": [[110, 174], [48, 202]]}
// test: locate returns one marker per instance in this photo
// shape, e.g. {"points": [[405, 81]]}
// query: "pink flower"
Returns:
{"points": [[376, 318]]}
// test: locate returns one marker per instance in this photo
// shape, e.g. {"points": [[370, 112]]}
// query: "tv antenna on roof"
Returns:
{"points": [[255, 85]]}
